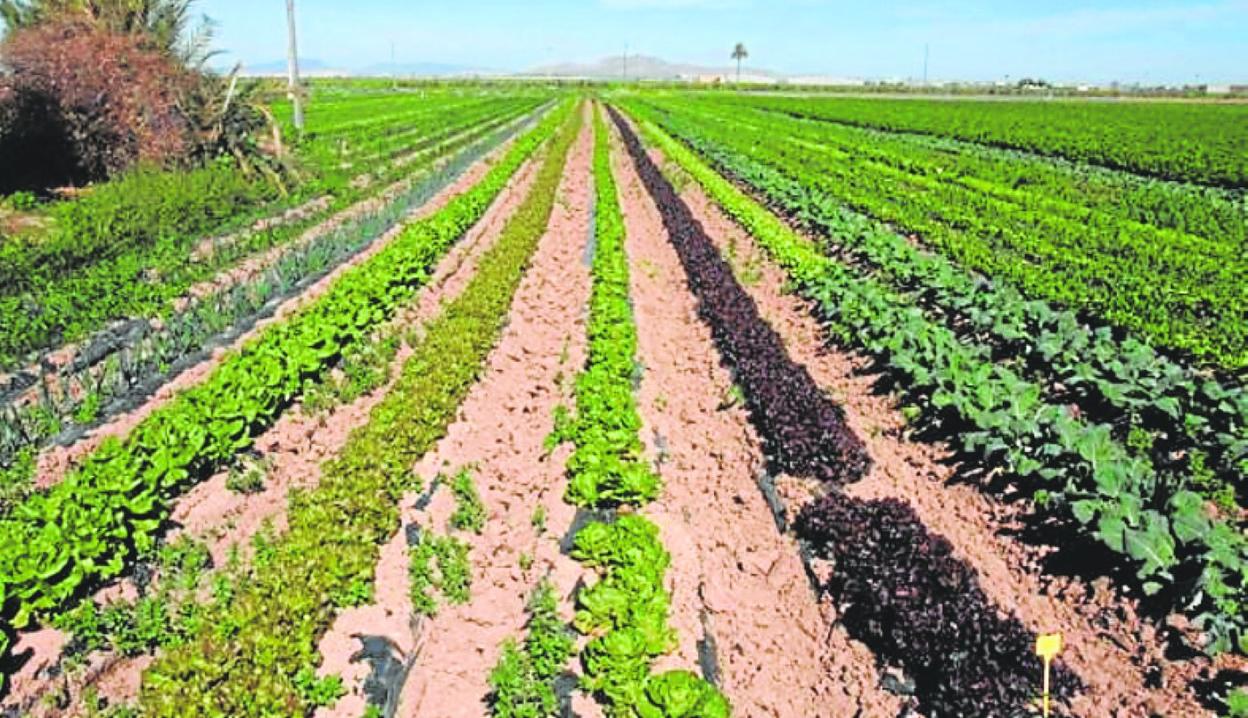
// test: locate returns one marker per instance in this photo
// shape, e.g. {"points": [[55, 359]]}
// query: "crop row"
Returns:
{"points": [[147, 277], [1176, 290], [624, 612], [911, 599], [1073, 469], [607, 466], [1123, 381], [804, 432], [522, 683], [110, 374], [138, 211], [905, 594], [86, 528], [1051, 184], [289, 595], [1193, 142]]}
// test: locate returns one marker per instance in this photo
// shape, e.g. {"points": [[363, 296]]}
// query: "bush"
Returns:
{"points": [[81, 103]]}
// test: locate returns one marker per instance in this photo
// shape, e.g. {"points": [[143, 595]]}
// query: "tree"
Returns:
{"points": [[739, 53]]}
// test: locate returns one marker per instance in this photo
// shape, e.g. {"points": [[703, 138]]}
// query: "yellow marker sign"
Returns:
{"points": [[1047, 647]]}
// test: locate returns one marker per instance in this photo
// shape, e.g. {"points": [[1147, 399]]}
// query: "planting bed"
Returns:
{"points": [[650, 405]]}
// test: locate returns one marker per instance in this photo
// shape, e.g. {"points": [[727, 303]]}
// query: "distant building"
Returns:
{"points": [[722, 78], [1218, 89], [825, 81]]}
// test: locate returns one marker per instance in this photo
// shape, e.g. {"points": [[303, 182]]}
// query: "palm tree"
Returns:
{"points": [[739, 53]]}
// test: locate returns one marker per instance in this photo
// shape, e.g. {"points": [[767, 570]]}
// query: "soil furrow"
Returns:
{"points": [[1116, 655], [777, 649]]}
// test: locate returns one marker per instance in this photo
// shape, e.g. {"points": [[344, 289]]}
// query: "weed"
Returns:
{"points": [[469, 512], [246, 479], [539, 519]]}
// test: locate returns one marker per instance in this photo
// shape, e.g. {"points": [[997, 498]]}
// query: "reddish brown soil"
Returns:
{"points": [[295, 447], [500, 434], [1106, 644], [778, 650]]}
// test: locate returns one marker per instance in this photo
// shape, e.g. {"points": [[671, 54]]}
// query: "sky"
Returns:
{"points": [[1147, 41]]}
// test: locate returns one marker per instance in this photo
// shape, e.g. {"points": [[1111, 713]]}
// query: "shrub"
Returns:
{"points": [[81, 103]]}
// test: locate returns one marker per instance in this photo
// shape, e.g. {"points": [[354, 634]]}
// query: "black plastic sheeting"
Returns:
{"points": [[388, 671]]}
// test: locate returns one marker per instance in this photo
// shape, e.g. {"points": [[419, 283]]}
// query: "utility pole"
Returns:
{"points": [[394, 70], [292, 65], [925, 56], [626, 62]]}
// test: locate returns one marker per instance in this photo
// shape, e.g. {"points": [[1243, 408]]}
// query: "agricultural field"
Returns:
{"points": [[528, 401]]}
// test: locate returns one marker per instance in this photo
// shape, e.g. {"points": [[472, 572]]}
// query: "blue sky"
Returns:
{"points": [[1153, 41]]}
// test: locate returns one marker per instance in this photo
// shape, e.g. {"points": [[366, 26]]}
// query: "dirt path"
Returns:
{"points": [[1106, 645], [294, 449], [499, 434], [733, 572]]}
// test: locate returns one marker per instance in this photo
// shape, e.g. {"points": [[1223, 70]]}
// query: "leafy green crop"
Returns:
{"points": [[522, 682], [607, 467], [681, 694], [439, 563], [470, 513], [86, 528], [1071, 465], [263, 630], [625, 611]]}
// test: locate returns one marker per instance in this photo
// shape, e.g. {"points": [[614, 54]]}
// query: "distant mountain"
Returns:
{"points": [[646, 68]]}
